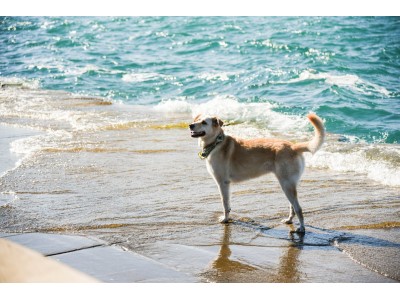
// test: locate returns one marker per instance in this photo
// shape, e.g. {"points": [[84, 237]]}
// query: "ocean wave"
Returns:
{"points": [[32, 144], [256, 115], [380, 163], [172, 106], [26, 148], [347, 81], [227, 107]]}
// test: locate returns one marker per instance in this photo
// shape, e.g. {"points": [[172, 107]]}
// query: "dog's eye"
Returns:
{"points": [[204, 123]]}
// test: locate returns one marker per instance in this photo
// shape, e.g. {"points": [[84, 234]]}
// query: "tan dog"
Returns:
{"points": [[230, 159]]}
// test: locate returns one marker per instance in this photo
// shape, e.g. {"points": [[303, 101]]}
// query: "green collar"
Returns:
{"points": [[207, 149]]}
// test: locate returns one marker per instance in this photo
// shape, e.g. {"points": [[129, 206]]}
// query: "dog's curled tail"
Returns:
{"points": [[319, 136]]}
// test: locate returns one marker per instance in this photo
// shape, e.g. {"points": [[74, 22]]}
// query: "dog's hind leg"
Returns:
{"points": [[289, 220], [290, 190]]}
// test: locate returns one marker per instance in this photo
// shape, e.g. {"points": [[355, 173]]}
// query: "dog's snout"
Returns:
{"points": [[191, 126]]}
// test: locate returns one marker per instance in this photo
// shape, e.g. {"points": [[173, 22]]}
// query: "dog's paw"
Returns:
{"points": [[223, 219], [301, 230], [287, 221]]}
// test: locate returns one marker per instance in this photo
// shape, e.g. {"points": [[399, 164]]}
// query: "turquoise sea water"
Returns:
{"points": [[346, 69]]}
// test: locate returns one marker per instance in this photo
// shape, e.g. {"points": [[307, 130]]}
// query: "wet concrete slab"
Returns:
{"points": [[249, 252], [245, 252], [248, 263], [52, 244], [330, 265], [107, 263], [19, 264], [3, 234], [112, 264], [379, 249]]}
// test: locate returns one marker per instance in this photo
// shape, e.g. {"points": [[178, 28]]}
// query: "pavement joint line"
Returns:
{"points": [[93, 246], [74, 250]]}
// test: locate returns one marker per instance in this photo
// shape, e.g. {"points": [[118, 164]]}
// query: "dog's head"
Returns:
{"points": [[205, 127]]}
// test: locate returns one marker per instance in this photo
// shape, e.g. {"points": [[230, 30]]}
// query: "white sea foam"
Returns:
{"points": [[379, 167], [215, 76], [229, 109], [141, 77], [80, 70], [32, 144], [24, 148], [223, 44], [270, 44], [172, 106], [340, 80]]}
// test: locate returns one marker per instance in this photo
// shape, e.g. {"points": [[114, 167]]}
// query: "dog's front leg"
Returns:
{"points": [[223, 186]]}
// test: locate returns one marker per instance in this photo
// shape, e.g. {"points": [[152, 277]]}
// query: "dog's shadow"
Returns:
{"points": [[315, 236]]}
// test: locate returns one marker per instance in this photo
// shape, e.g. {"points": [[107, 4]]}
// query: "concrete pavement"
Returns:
{"points": [[66, 258]]}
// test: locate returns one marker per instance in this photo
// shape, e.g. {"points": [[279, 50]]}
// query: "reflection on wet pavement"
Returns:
{"points": [[228, 268], [260, 263]]}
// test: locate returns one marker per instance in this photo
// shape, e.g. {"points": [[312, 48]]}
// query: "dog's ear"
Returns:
{"points": [[197, 118], [217, 122]]}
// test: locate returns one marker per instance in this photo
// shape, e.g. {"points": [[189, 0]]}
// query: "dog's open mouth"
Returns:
{"points": [[195, 134]]}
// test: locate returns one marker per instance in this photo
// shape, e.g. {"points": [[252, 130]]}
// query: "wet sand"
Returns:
{"points": [[141, 186]]}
